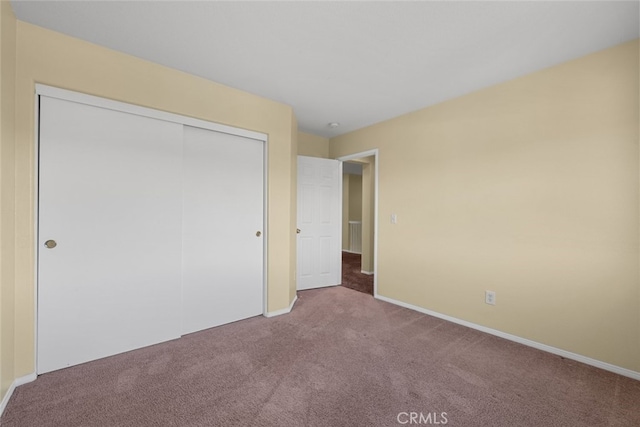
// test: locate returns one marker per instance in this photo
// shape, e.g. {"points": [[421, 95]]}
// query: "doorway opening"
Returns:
{"points": [[359, 222]]}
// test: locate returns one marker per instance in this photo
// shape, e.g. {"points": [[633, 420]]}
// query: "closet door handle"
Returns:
{"points": [[50, 244], [258, 233]]}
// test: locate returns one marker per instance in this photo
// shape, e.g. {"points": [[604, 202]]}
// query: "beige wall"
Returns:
{"points": [[7, 194], [313, 145], [368, 214], [346, 186], [355, 197], [529, 188], [351, 204], [54, 59]]}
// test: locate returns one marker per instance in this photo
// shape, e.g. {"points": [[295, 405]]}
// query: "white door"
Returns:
{"points": [[109, 197], [319, 221], [222, 228]]}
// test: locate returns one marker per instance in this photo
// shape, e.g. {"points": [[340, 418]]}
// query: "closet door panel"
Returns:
{"points": [[110, 198], [222, 228]]}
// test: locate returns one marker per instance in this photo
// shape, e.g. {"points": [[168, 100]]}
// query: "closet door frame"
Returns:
{"points": [[67, 95]]}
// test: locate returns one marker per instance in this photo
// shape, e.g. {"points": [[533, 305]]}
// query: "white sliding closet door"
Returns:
{"points": [[109, 196], [222, 228]]}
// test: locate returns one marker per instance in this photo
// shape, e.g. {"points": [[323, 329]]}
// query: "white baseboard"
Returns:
{"points": [[17, 382], [368, 273], [566, 354], [351, 252], [283, 311]]}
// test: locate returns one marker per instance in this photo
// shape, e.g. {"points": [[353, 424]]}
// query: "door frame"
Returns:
{"points": [[73, 96], [376, 155]]}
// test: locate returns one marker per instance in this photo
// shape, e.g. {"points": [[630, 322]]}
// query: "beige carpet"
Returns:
{"points": [[340, 358]]}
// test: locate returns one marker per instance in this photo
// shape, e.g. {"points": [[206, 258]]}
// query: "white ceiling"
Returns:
{"points": [[356, 63]]}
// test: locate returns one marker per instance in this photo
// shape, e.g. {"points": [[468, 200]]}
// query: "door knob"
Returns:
{"points": [[50, 244], [297, 231], [258, 233]]}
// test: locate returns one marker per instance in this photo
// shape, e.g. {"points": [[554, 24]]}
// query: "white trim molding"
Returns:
{"points": [[16, 383], [283, 311], [544, 347], [368, 273]]}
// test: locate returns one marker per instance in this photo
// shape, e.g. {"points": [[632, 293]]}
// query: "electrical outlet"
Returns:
{"points": [[490, 297], [394, 219]]}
